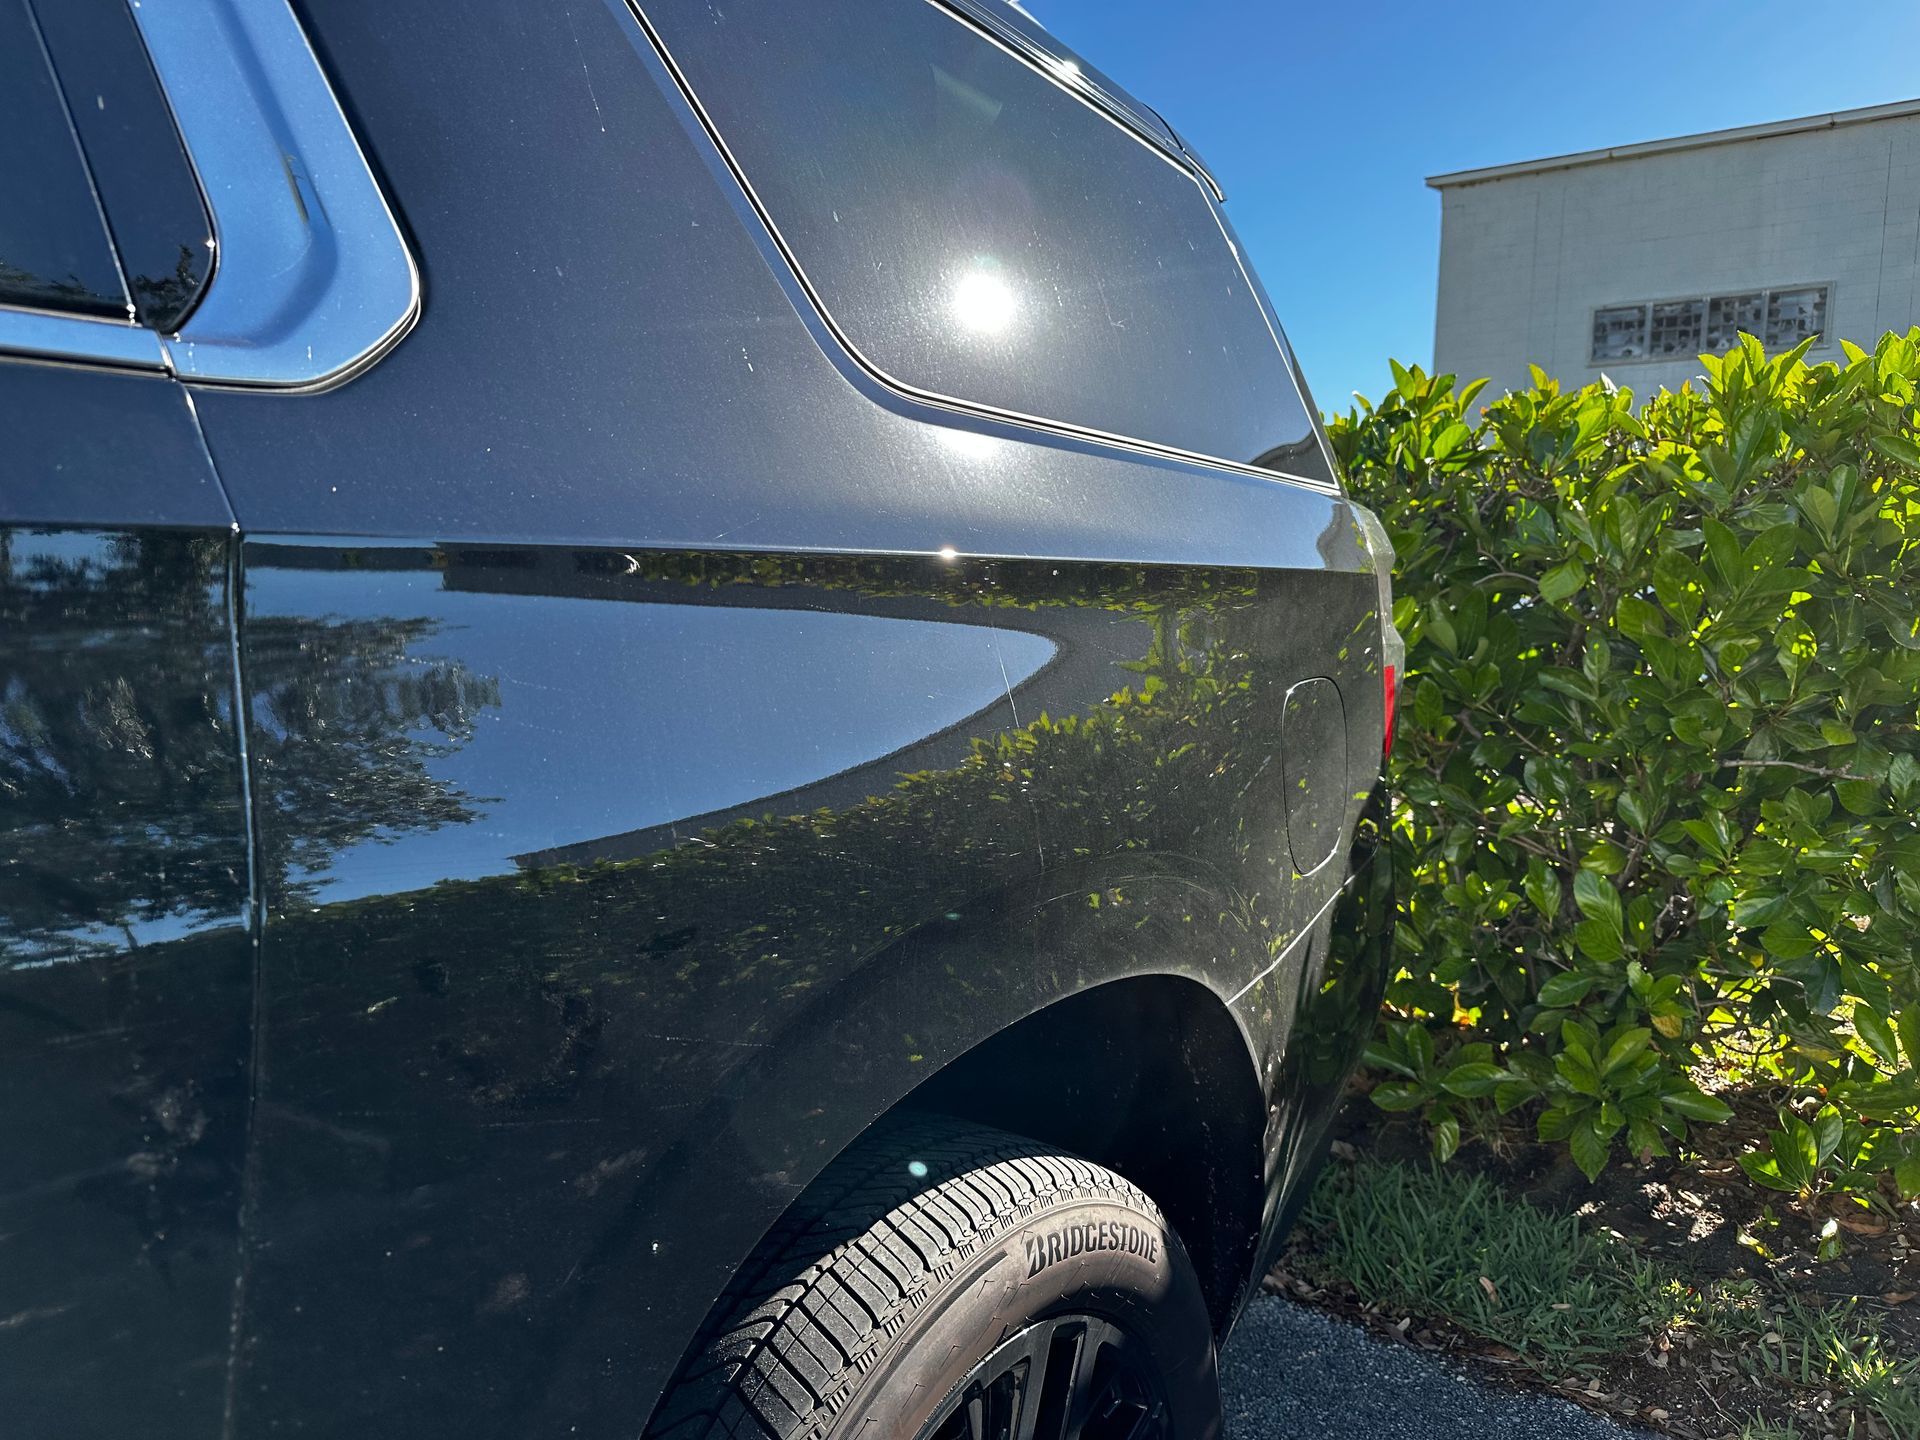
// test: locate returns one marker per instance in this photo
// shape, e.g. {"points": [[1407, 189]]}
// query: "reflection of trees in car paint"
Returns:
{"points": [[118, 761], [1170, 769], [119, 765]]}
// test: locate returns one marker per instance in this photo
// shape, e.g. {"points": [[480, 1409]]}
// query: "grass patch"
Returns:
{"points": [[1569, 1299], [1446, 1245], [1837, 1349]]}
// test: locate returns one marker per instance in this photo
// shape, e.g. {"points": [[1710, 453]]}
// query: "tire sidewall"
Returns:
{"points": [[1080, 1257]]}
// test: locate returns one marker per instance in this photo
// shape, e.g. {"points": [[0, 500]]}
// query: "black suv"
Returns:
{"points": [[689, 722]]}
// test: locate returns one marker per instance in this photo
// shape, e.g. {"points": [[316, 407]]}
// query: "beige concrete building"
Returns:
{"points": [[1632, 261]]}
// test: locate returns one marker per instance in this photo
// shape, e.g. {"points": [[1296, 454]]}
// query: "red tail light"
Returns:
{"points": [[1390, 685]]}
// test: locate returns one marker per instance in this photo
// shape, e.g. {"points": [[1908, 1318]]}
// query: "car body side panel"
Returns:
{"points": [[671, 746], [125, 961], [630, 886]]}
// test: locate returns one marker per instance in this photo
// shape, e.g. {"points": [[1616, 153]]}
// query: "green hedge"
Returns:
{"points": [[1658, 768]]}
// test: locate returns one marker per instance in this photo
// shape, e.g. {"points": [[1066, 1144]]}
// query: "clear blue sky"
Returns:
{"points": [[1322, 120]]}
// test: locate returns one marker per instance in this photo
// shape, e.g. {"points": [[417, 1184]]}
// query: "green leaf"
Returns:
{"points": [[1861, 797], [1563, 582], [1510, 1094], [1723, 548], [1429, 706], [1904, 776], [1637, 618], [1419, 1043], [1599, 942], [1827, 1129], [1898, 447], [1679, 584], [1752, 910], [1556, 1122], [1399, 1095], [1380, 1054], [1590, 1148], [1597, 898], [1907, 1023], [1446, 1138], [1762, 1169], [1627, 1048], [1569, 987], [1472, 1080], [1542, 887], [1797, 1153], [1577, 1069], [1870, 1027], [1788, 941], [1818, 506], [1449, 440], [1697, 1106]]}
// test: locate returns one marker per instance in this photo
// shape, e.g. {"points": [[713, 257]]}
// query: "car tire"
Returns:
{"points": [[942, 1281]]}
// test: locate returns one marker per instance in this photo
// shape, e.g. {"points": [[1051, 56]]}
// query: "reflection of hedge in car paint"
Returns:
{"points": [[1145, 773]]}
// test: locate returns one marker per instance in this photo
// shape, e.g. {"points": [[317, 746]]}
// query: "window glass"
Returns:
{"points": [[146, 185], [1620, 332], [54, 252], [1794, 315], [977, 232], [1677, 326], [1729, 315], [1782, 318]]}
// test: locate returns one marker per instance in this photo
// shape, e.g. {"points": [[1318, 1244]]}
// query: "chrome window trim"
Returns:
{"points": [[1069, 76], [313, 280], [45, 335]]}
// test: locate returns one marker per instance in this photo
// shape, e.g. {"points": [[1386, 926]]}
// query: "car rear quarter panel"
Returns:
{"points": [[713, 743], [678, 869]]}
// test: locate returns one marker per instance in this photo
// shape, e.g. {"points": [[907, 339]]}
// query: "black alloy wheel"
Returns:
{"points": [[1070, 1377]]}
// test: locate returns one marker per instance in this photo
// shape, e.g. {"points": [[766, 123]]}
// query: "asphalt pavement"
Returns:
{"points": [[1291, 1373]]}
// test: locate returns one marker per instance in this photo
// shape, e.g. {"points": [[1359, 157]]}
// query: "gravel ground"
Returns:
{"points": [[1291, 1373]]}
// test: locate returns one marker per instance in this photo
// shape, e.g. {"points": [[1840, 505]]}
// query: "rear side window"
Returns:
{"points": [[54, 251], [146, 184], [100, 213], [979, 233]]}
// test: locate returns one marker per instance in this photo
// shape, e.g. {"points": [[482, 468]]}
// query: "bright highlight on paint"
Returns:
{"points": [[984, 302], [947, 552]]}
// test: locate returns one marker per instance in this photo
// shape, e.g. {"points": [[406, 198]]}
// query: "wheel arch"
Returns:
{"points": [[1030, 1013], [1150, 1076]]}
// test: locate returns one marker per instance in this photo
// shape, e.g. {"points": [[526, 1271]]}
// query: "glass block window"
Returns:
{"points": [[1672, 329], [1728, 315], [1677, 326], [1794, 315], [1620, 332]]}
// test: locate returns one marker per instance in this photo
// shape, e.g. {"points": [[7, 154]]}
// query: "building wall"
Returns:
{"points": [[1525, 260]]}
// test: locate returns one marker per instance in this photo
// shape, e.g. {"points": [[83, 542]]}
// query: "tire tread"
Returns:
{"points": [[817, 1304]]}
